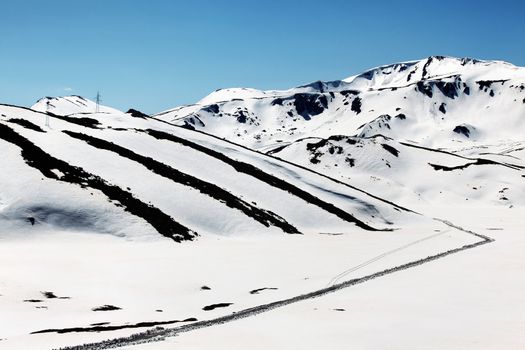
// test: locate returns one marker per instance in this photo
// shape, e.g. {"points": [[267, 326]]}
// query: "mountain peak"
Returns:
{"points": [[405, 73], [72, 104]]}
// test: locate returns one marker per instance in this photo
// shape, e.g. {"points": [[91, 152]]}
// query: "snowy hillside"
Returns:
{"points": [[339, 208], [68, 105], [371, 129], [417, 176], [127, 187], [433, 101], [182, 183]]}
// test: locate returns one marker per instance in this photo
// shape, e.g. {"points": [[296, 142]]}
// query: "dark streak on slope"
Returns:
{"points": [[481, 160], [26, 124], [390, 149], [265, 177], [276, 149], [258, 290], [215, 306], [84, 121], [264, 217], [45, 163], [98, 328], [425, 66], [461, 167]]}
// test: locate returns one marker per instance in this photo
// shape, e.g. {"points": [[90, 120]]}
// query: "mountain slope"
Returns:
{"points": [[436, 100], [68, 105], [372, 129], [181, 183], [411, 172]]}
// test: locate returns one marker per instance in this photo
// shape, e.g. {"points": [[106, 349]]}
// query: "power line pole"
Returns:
{"points": [[48, 104], [98, 100]]}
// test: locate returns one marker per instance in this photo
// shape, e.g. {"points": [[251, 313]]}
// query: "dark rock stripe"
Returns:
{"points": [[258, 290], [111, 328], [91, 123], [265, 177], [264, 217], [478, 161], [26, 124], [390, 149], [463, 166], [216, 306], [45, 163], [83, 121]]}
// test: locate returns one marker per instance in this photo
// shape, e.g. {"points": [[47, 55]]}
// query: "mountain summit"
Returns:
{"points": [[437, 99]]}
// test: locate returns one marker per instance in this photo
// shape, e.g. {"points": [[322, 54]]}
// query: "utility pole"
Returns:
{"points": [[98, 99], [48, 104]]}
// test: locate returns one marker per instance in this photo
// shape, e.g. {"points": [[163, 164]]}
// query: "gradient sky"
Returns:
{"points": [[154, 55]]}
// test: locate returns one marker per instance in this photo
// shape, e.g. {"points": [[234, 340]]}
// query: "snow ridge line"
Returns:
{"points": [[36, 158], [156, 335], [262, 216], [263, 176], [91, 123], [477, 161]]}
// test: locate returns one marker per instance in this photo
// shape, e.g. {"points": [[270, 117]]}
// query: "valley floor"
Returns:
{"points": [[471, 298]]}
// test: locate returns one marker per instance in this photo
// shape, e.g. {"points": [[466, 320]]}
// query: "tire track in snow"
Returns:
{"points": [[338, 277], [156, 335]]}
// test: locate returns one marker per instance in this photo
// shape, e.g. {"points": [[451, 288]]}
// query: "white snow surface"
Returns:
{"points": [[67, 105], [394, 148], [435, 95]]}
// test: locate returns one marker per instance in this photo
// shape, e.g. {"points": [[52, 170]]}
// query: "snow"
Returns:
{"points": [[68, 105], [379, 147], [94, 270], [469, 300], [272, 118]]}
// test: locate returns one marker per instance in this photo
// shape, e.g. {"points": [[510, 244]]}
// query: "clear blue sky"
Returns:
{"points": [[154, 55]]}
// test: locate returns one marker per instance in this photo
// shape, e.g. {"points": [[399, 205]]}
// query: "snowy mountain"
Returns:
{"points": [[108, 203], [68, 105], [372, 129], [113, 172], [128, 230], [435, 100]]}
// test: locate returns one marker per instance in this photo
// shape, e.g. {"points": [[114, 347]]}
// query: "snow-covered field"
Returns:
{"points": [[471, 300], [380, 211], [143, 277]]}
